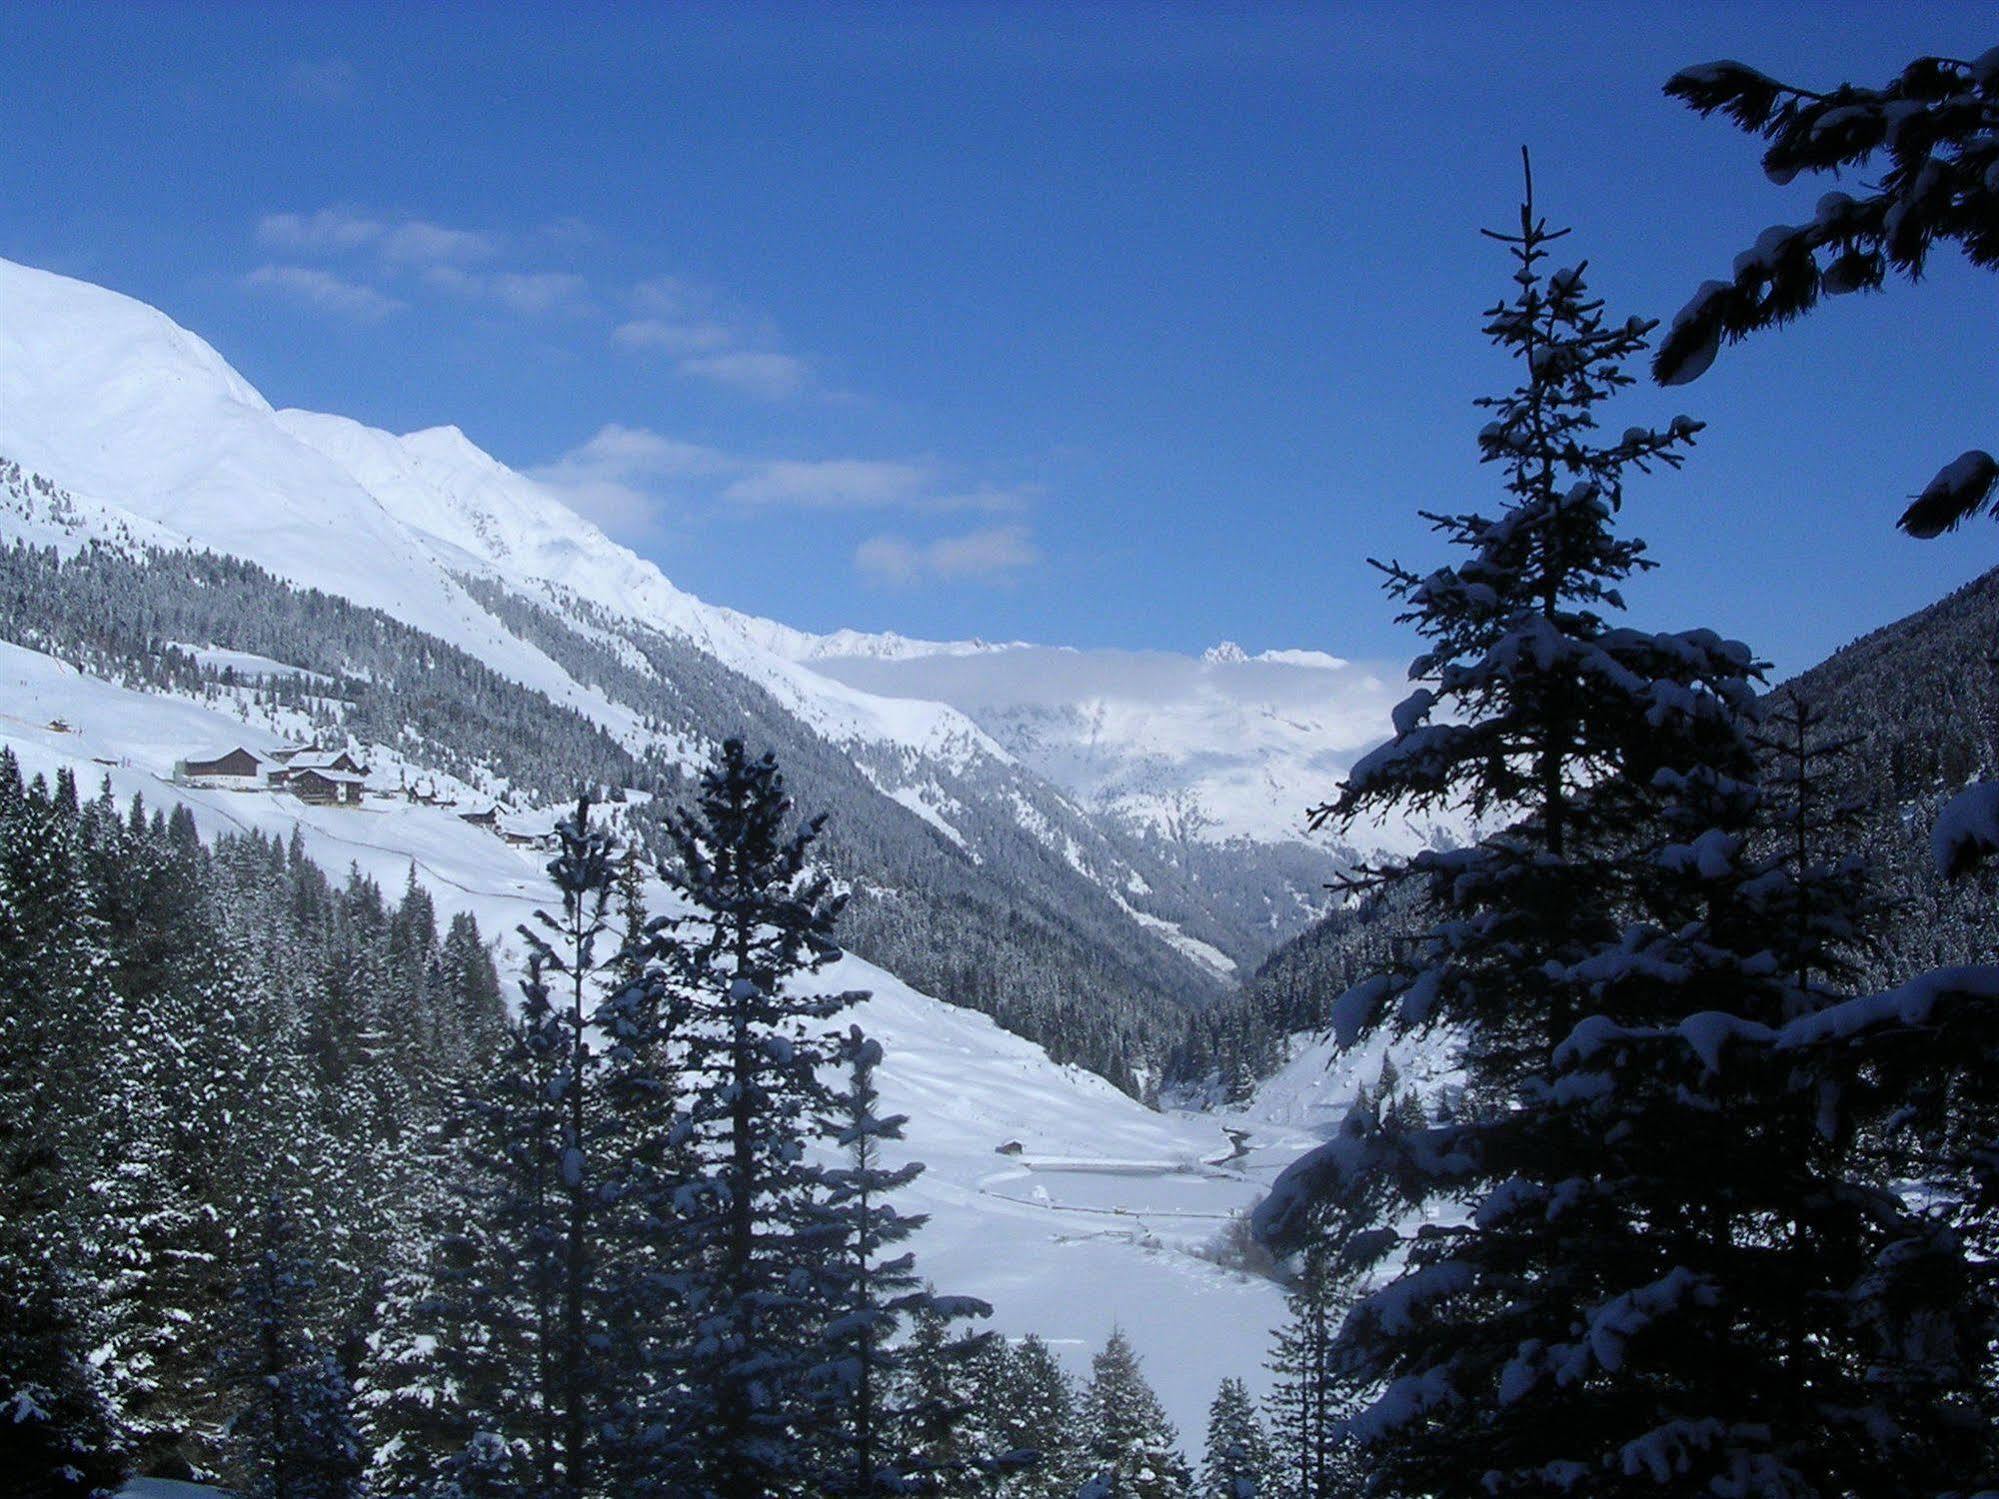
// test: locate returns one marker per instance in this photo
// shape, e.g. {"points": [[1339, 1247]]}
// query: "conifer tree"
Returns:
{"points": [[1620, 1305], [1239, 1463], [472, 985], [759, 1245], [58, 1428], [1311, 1456], [633, 919], [644, 1142], [1132, 1450], [582, 876], [293, 1436], [883, 1434], [157, 1251], [550, 1270], [1554, 718], [940, 1415], [444, 1365], [1029, 1406]]}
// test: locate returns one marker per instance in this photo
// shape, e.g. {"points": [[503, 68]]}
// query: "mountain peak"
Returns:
{"points": [[1228, 651], [448, 441]]}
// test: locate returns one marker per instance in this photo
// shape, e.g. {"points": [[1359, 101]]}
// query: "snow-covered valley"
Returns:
{"points": [[1143, 808], [1103, 1216]]}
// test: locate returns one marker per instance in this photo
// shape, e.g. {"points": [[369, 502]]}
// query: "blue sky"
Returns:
{"points": [[1133, 326]]}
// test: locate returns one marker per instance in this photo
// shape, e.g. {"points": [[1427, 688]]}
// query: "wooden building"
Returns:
{"points": [[314, 758], [325, 788], [238, 764]]}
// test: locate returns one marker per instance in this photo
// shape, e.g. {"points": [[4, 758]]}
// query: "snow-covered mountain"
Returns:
{"points": [[1218, 747], [1066, 840], [149, 427]]}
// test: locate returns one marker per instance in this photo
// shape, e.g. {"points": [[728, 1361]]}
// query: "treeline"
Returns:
{"points": [[1020, 935], [187, 1032], [289, 1201]]}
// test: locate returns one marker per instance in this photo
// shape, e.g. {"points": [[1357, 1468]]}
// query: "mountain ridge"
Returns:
{"points": [[967, 861]]}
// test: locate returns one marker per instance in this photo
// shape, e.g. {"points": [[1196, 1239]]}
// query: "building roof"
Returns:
{"points": [[318, 759], [318, 773], [259, 756]]}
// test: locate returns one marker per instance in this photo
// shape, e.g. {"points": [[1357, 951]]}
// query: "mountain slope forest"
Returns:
{"points": [[1918, 701]]}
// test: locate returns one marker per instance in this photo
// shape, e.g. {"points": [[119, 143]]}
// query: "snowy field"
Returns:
{"points": [[1095, 1222]]}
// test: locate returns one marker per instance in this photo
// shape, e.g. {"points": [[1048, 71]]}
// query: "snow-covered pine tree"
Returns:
{"points": [[1763, 1227], [158, 1236], [293, 1435], [472, 986], [1238, 1463], [551, 1278], [227, 1127], [644, 1146], [58, 1430], [878, 1439], [582, 873], [1310, 1455], [633, 919], [444, 1364], [1935, 127], [757, 1242], [1598, 748], [1133, 1453], [487, 1467], [1028, 1404], [939, 1415], [491, 1354]]}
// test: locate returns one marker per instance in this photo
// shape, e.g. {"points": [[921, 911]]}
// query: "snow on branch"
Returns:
{"points": [[1967, 830]]}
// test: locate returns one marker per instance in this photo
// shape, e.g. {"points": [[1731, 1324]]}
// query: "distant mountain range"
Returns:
{"points": [[1083, 843]]}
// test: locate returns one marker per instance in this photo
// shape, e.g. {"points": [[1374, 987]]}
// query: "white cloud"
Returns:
{"points": [[710, 338], [389, 248], [634, 482], [639, 450], [419, 242], [530, 293], [672, 337], [616, 478], [331, 231], [766, 375], [830, 483], [323, 290], [342, 231], [995, 554]]}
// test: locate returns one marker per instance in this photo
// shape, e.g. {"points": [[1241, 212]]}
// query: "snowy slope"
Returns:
{"points": [[1090, 1225], [155, 432], [474, 510], [152, 430], [115, 401]]}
